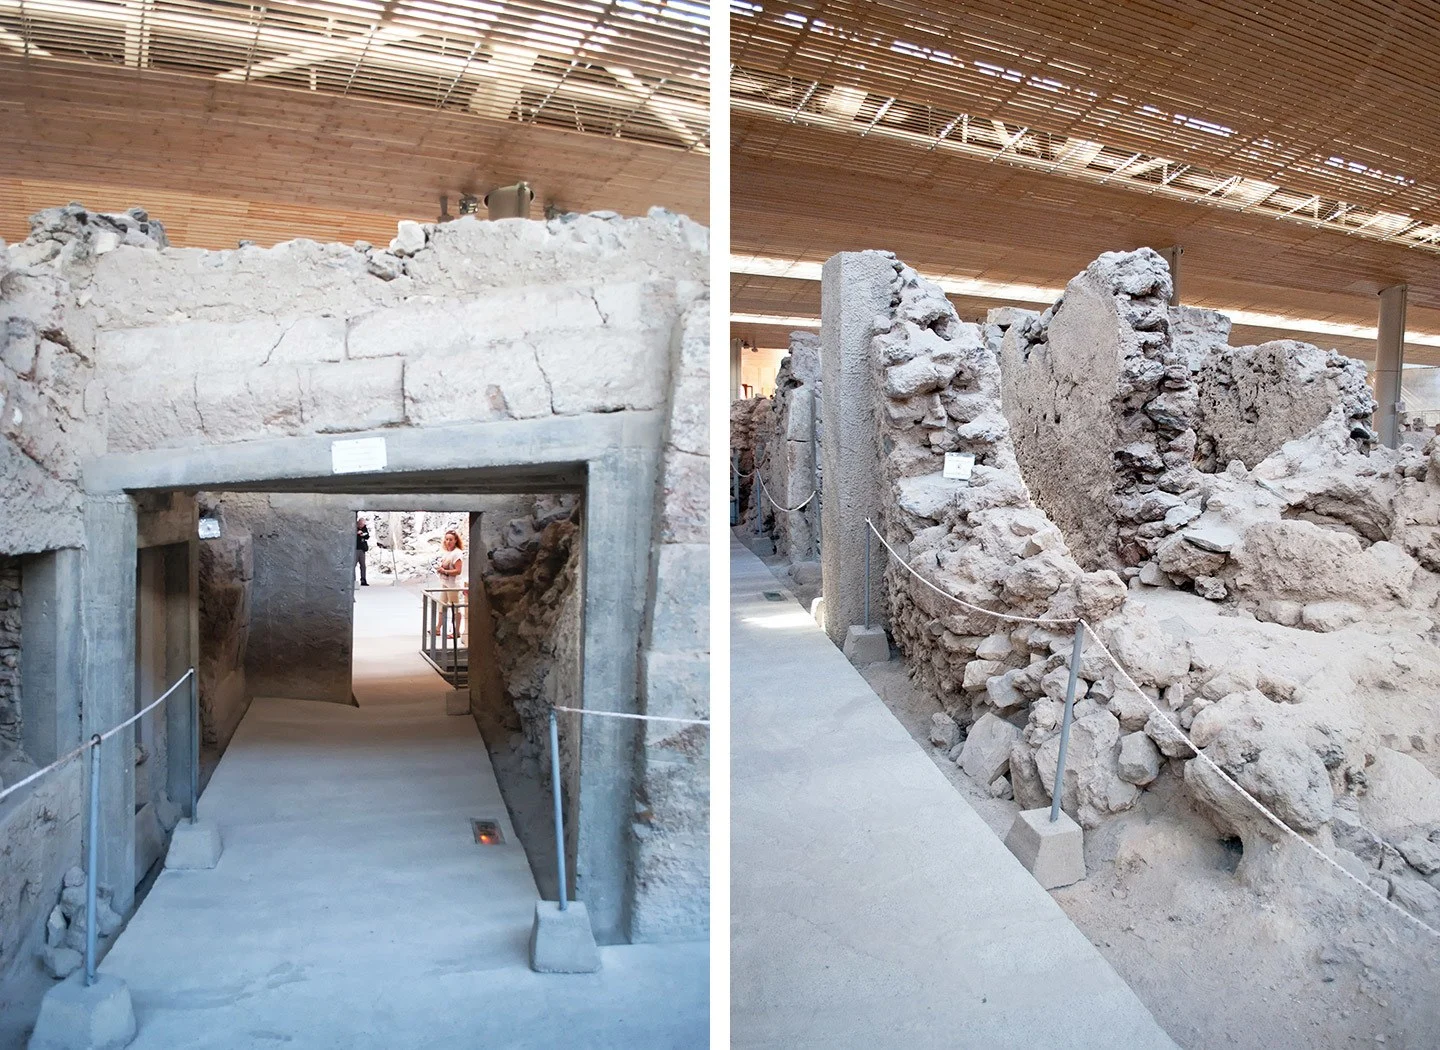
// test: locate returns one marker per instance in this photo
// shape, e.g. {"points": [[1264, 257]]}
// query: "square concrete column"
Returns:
{"points": [[614, 573], [182, 651], [1390, 364], [107, 659], [855, 289]]}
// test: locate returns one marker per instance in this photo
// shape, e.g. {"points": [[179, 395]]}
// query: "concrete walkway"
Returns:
{"points": [[871, 906], [353, 909]]}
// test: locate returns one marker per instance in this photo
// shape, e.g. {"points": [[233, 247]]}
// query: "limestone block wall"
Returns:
{"points": [[671, 827]]}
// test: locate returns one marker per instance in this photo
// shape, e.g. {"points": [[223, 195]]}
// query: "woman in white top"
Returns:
{"points": [[451, 570]]}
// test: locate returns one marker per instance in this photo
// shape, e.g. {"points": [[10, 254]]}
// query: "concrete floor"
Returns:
{"points": [[871, 906], [352, 907]]}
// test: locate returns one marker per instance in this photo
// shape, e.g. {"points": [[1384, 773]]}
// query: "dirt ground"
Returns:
{"points": [[1306, 959]]}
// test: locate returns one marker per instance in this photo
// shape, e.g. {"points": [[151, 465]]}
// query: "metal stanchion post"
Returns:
{"points": [[454, 646], [194, 747], [734, 488], [1065, 724], [92, 860], [868, 530], [424, 618], [559, 811]]}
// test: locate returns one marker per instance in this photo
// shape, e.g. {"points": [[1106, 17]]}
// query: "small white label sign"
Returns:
{"points": [[357, 456], [209, 528], [958, 465]]}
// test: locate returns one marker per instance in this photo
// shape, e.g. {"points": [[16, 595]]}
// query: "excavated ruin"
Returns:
{"points": [[1265, 574]]}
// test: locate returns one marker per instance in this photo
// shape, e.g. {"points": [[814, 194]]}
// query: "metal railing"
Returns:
{"points": [[92, 825], [440, 621]]}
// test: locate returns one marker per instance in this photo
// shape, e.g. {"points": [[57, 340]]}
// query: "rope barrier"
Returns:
{"points": [[1075, 621], [638, 718], [777, 506], [95, 739]]}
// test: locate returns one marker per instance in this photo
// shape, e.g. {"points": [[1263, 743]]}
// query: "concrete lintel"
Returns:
{"points": [[500, 451]]}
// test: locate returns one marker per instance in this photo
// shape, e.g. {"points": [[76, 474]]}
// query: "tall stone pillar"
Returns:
{"points": [[107, 631], [855, 290], [1390, 363]]}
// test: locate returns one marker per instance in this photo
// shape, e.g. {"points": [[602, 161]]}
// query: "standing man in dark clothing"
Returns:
{"points": [[362, 544]]}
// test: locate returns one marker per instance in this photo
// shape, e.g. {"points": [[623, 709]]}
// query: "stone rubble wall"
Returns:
{"points": [[748, 432], [1309, 675], [1100, 401], [10, 699], [536, 613], [50, 404], [1253, 399], [671, 827]]}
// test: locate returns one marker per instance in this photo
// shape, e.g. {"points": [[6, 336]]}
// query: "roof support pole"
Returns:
{"points": [[1172, 257], [1390, 364]]}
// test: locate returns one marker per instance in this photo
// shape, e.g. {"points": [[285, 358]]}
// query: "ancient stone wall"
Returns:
{"points": [[1253, 399], [671, 827], [1322, 708], [51, 404], [747, 432], [10, 655], [227, 571], [790, 465], [139, 348], [1100, 401]]}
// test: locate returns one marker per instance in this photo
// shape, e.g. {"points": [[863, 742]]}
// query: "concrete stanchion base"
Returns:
{"points": [[193, 846], [1053, 853], [866, 645], [74, 1016], [561, 941], [457, 702]]}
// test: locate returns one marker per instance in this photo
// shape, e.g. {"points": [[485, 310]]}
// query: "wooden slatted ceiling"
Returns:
{"points": [[1328, 97], [953, 216], [237, 161], [634, 69]]}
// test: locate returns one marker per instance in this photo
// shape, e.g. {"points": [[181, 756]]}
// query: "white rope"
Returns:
{"points": [[777, 506], [1165, 717], [638, 718], [92, 741], [1062, 622]]}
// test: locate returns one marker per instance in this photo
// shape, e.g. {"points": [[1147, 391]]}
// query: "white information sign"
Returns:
{"points": [[209, 528], [958, 465], [357, 456]]}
